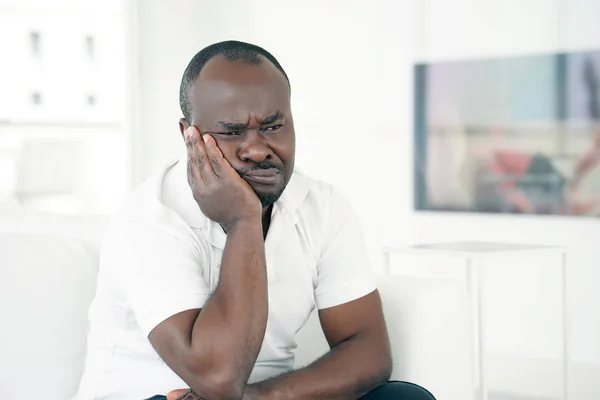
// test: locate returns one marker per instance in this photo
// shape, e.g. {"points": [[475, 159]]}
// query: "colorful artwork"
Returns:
{"points": [[511, 135]]}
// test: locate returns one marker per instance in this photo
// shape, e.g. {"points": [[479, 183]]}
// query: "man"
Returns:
{"points": [[217, 261]]}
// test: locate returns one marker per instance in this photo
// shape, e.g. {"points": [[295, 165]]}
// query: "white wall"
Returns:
{"points": [[350, 65], [53, 152]]}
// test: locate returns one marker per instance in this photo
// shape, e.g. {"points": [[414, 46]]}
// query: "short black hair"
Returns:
{"points": [[233, 50]]}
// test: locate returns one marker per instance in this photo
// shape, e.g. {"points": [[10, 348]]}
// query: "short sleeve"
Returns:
{"points": [[343, 271], [158, 270]]}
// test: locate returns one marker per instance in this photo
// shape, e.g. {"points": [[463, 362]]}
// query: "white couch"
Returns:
{"points": [[48, 265]]}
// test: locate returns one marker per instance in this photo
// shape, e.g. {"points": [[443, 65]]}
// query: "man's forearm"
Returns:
{"points": [[235, 317], [348, 371]]}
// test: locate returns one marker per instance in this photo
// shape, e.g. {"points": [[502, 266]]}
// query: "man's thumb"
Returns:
{"points": [[176, 394]]}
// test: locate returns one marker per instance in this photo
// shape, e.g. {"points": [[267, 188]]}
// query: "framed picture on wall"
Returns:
{"points": [[509, 135]]}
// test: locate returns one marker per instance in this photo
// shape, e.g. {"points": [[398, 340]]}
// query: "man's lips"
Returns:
{"points": [[262, 176]]}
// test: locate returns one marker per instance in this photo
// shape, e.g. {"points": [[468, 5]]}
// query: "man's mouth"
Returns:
{"points": [[262, 176]]}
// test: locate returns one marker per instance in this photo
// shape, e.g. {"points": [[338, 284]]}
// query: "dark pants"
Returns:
{"points": [[388, 391], [399, 391]]}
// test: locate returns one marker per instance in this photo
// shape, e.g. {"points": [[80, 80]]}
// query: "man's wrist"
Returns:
{"points": [[244, 224], [262, 391]]}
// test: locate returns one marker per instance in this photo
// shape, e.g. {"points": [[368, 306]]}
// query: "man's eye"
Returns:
{"points": [[273, 128], [230, 133]]}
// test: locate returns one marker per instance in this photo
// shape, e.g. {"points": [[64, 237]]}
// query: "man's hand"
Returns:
{"points": [[182, 394], [223, 196], [186, 394]]}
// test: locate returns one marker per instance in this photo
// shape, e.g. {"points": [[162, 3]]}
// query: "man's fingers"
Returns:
{"points": [[197, 157], [176, 394], [215, 156]]}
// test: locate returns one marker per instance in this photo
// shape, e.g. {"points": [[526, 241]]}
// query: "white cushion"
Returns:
{"points": [[46, 286], [87, 228]]}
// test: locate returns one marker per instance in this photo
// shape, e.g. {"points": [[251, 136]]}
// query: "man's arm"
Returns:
{"points": [[214, 349], [358, 362]]}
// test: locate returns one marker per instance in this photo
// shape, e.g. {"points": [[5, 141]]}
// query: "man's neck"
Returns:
{"points": [[266, 219]]}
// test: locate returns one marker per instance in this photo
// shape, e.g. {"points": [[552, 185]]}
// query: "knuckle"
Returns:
{"points": [[215, 163], [191, 166]]}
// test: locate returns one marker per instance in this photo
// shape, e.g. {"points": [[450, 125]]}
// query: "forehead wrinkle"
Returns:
{"points": [[215, 102]]}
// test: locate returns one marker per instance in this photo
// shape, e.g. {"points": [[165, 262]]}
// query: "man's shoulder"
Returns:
{"points": [[317, 187], [143, 202], [145, 206], [321, 198], [306, 193]]}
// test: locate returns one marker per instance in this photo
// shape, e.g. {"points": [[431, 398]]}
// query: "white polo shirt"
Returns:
{"points": [[162, 256]]}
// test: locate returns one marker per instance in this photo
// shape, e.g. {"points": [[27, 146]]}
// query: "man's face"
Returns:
{"points": [[246, 108]]}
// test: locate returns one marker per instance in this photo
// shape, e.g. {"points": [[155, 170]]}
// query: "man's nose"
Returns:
{"points": [[255, 148]]}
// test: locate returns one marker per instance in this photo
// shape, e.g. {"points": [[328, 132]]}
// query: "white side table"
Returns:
{"points": [[474, 256]]}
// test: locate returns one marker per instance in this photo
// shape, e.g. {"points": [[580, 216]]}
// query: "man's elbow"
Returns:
{"points": [[386, 370], [221, 384], [385, 367]]}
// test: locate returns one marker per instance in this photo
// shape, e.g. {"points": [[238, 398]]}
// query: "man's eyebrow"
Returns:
{"points": [[233, 126], [237, 126], [272, 118]]}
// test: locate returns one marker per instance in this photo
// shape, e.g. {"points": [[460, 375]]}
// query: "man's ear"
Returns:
{"points": [[183, 125]]}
